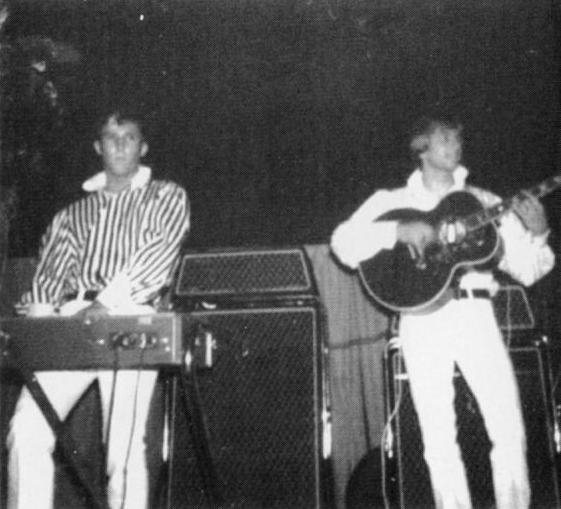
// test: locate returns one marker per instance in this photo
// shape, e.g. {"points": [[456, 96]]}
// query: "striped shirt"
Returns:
{"points": [[123, 245]]}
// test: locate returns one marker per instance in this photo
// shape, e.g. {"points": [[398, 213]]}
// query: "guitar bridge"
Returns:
{"points": [[452, 232]]}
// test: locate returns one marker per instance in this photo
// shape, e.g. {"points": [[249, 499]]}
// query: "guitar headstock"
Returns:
{"points": [[546, 186], [557, 179]]}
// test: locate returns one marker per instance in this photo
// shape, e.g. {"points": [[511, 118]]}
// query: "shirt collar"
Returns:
{"points": [[99, 180], [460, 176]]}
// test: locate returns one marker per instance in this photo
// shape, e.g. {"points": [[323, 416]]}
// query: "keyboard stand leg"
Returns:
{"points": [[199, 434], [179, 384], [66, 443], [162, 489]]}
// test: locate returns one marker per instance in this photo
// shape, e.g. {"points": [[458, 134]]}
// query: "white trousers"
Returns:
{"points": [[464, 332], [31, 440]]}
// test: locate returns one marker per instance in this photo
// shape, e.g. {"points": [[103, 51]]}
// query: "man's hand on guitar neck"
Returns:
{"points": [[531, 212], [416, 234]]}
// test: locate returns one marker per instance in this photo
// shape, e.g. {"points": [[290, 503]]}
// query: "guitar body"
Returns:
{"points": [[399, 281]]}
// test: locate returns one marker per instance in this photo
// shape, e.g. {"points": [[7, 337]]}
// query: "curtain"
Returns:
{"points": [[356, 343]]}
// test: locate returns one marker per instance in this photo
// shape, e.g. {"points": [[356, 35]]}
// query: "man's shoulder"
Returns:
{"points": [[166, 189], [383, 200], [165, 185], [393, 196], [392, 190]]}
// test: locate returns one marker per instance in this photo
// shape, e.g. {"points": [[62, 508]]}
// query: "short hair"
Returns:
{"points": [[425, 127], [121, 115]]}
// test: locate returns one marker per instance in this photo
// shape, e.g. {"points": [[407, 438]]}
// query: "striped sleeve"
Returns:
{"points": [[55, 259]]}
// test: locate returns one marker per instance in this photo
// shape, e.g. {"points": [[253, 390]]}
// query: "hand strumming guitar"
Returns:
{"points": [[416, 234]]}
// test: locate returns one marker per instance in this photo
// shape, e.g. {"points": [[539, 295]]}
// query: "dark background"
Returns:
{"points": [[281, 116]]}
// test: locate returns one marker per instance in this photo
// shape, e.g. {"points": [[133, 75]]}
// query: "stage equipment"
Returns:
{"points": [[512, 309], [264, 406], [123, 342], [409, 477], [240, 277], [364, 488], [259, 380], [246, 420]]}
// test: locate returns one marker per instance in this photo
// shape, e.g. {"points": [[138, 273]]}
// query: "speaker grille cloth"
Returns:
{"points": [[243, 273], [262, 411]]}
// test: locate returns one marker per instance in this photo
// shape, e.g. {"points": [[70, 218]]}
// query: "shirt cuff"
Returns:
{"points": [[117, 293], [541, 240]]}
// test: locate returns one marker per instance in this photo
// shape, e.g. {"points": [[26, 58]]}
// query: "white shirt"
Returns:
{"points": [[526, 257]]}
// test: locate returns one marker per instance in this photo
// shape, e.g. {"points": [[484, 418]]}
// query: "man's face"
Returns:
{"points": [[121, 147], [444, 150]]}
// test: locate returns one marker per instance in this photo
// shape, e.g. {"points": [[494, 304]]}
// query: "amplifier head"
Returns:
{"points": [[243, 275]]}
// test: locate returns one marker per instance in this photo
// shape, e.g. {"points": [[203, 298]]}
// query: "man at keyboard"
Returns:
{"points": [[110, 252]]}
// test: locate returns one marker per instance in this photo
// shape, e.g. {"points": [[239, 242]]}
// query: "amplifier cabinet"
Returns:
{"points": [[235, 277], [264, 404], [410, 483]]}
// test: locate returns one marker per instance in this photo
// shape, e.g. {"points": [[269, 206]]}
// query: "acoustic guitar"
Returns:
{"points": [[402, 280]]}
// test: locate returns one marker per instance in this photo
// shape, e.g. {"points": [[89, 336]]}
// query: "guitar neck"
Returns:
{"points": [[484, 217]]}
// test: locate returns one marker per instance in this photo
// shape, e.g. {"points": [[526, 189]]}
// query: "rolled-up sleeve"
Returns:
{"points": [[527, 258], [361, 236]]}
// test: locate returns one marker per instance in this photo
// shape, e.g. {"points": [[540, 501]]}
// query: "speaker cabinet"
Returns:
{"points": [[264, 406], [410, 483]]}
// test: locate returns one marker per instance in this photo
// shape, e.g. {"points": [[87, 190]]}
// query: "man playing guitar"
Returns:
{"points": [[460, 330]]}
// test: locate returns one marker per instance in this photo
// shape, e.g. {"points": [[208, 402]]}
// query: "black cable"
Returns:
{"points": [[386, 442], [201, 439]]}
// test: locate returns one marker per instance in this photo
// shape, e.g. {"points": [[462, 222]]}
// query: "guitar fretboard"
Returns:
{"points": [[484, 217]]}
